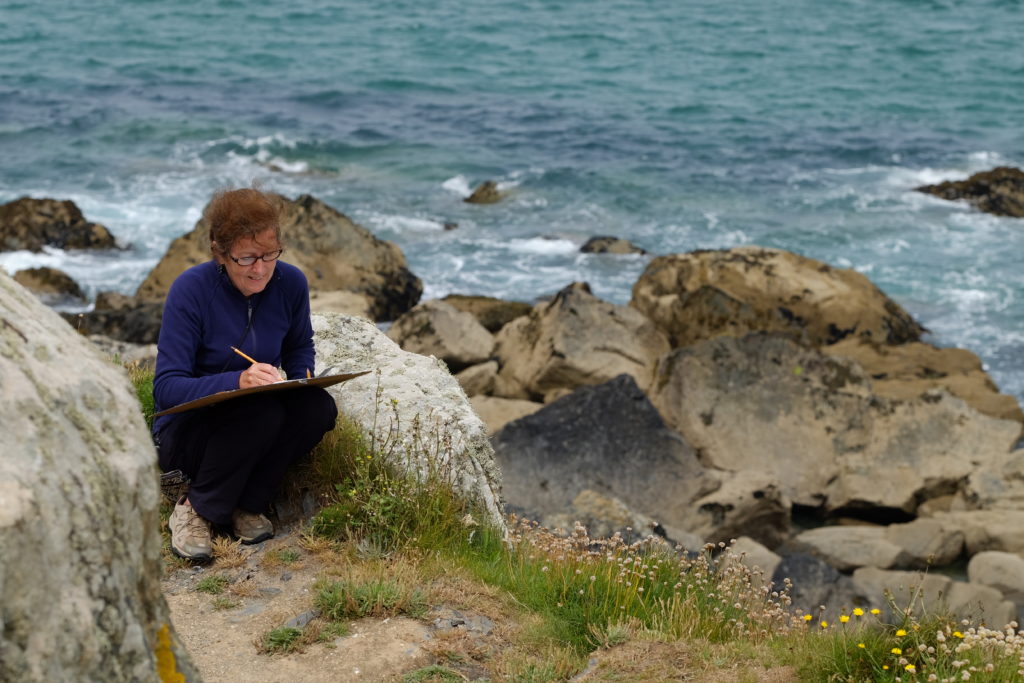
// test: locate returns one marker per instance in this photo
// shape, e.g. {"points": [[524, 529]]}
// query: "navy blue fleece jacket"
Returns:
{"points": [[205, 315]]}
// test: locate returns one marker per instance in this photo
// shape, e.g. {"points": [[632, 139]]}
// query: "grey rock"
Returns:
{"points": [[435, 328], [1002, 571], [301, 620], [79, 510], [849, 547]]}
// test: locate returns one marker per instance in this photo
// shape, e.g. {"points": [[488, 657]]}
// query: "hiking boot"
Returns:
{"points": [[251, 528], [190, 534]]}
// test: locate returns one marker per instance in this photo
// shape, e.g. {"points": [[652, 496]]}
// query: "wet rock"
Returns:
{"points": [[333, 252], [120, 317], [999, 191], [486, 192], [435, 328], [32, 224], [608, 439], [53, 287], [704, 294], [610, 245], [575, 340]]}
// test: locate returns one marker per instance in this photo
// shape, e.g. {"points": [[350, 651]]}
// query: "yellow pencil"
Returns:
{"points": [[243, 355]]}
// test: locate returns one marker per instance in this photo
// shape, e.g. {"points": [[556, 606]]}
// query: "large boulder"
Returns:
{"points": [[333, 252], [575, 340], [34, 223], [811, 421], [411, 406], [435, 328], [909, 370], [849, 547], [607, 439], [747, 503], [80, 596], [999, 191], [703, 294], [1001, 530], [1002, 571]]}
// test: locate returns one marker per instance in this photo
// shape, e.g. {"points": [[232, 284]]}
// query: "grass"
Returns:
{"points": [[401, 543], [213, 584]]}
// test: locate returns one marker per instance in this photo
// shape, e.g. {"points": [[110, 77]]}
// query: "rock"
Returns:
{"points": [[434, 328], [815, 583], [924, 593], [756, 557], [980, 604], [925, 543], [333, 252], [703, 294], [608, 439], [120, 317], [849, 547], [988, 529], [79, 511], [576, 340], [603, 516], [479, 379], [53, 287], [1002, 571], [998, 486], [492, 313], [125, 352], [486, 192], [999, 191], [909, 370], [498, 412], [749, 503], [610, 245], [34, 223], [341, 301], [811, 421], [411, 404]]}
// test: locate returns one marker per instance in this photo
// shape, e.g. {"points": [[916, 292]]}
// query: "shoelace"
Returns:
{"points": [[194, 522]]}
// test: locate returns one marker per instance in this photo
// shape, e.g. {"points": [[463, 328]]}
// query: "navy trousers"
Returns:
{"points": [[236, 452]]}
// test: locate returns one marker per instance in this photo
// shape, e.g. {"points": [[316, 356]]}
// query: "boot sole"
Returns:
{"points": [[256, 539], [198, 559]]}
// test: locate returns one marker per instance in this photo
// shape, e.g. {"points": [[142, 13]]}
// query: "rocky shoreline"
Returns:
{"points": [[747, 393]]}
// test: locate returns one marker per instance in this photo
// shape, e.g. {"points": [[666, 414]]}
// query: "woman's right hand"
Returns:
{"points": [[257, 375]]}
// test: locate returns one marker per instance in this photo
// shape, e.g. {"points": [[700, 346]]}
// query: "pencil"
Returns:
{"points": [[243, 355]]}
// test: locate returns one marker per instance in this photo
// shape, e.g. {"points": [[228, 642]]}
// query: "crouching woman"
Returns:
{"points": [[236, 452]]}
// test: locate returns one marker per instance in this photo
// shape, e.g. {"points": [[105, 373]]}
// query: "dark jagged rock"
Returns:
{"points": [[815, 583], [610, 245], [486, 193], [606, 438], [31, 224], [52, 286], [999, 191], [120, 317]]}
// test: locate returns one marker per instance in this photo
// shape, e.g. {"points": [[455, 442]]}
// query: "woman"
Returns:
{"points": [[236, 452]]}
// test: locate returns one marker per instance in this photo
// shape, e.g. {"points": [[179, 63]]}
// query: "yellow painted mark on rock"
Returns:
{"points": [[166, 665]]}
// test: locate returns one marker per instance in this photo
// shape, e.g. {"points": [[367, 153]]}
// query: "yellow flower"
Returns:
{"points": [[860, 645], [807, 617], [896, 651], [958, 634], [901, 632], [885, 667], [823, 624], [858, 612], [843, 619], [911, 668], [876, 611]]}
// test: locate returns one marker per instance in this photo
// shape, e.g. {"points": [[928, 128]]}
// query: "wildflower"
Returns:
{"points": [[807, 617], [876, 611], [843, 619], [896, 651], [823, 624], [858, 612], [910, 668], [860, 645], [885, 667], [957, 634], [900, 633]]}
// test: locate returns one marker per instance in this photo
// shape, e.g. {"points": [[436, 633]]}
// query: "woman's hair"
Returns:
{"points": [[234, 214]]}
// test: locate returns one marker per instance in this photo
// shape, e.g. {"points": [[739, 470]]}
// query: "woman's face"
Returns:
{"points": [[252, 279]]}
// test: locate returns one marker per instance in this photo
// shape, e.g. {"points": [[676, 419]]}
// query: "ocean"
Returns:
{"points": [[679, 126]]}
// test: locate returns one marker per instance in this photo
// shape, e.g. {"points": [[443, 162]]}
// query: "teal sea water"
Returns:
{"points": [[800, 125]]}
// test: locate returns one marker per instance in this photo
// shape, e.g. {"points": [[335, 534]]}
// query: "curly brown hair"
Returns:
{"points": [[234, 214]]}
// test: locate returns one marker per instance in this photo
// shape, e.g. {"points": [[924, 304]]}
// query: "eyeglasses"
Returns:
{"points": [[249, 260]]}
